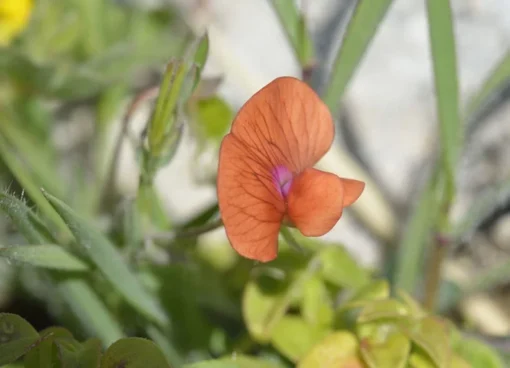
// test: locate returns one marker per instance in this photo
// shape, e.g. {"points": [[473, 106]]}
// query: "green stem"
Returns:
{"points": [[291, 241], [439, 251]]}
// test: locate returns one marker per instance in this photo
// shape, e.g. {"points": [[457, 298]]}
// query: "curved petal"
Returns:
{"points": [[250, 205], [315, 201], [285, 123], [352, 190]]}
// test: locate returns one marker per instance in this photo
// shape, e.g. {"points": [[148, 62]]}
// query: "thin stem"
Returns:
{"points": [[433, 276], [144, 95], [187, 233], [439, 252], [291, 241]]}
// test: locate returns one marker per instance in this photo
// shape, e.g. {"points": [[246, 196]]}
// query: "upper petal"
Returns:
{"points": [[250, 205], [285, 123], [315, 201]]}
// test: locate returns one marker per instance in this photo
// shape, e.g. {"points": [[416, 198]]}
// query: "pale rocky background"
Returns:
{"points": [[390, 102]]}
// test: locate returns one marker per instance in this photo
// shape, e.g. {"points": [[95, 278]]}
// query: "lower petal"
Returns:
{"points": [[352, 190], [315, 201]]}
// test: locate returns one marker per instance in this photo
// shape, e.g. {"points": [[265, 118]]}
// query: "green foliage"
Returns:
{"points": [[109, 267]]}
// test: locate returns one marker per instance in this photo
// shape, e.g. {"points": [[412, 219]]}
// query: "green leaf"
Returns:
{"points": [[433, 336], [478, 354], [90, 310], [134, 352], [45, 354], [46, 256], [178, 289], [339, 349], [27, 223], [260, 310], [361, 29], [84, 302], [415, 309], [293, 22], [340, 269], [214, 364], [162, 127], [383, 309], [494, 82], [389, 352], [293, 337], [202, 51], [213, 117], [316, 305], [376, 290], [19, 171], [34, 154], [132, 234], [107, 258], [150, 207], [266, 300], [421, 360], [76, 355], [17, 336], [236, 361], [442, 43]]}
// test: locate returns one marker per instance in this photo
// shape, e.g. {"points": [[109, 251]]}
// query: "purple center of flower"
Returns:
{"points": [[283, 179]]}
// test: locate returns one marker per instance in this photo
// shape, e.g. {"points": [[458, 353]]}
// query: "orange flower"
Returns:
{"points": [[266, 175]]}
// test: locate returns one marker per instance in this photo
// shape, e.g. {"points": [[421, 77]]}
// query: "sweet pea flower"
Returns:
{"points": [[266, 176]]}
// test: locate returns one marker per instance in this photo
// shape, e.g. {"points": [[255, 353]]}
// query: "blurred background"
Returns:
{"points": [[70, 68]]}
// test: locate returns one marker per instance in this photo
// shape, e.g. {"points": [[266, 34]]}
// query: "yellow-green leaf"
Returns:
{"points": [[213, 117], [340, 269], [316, 305], [478, 354], [293, 337], [338, 350], [391, 352], [376, 290], [383, 309], [433, 336]]}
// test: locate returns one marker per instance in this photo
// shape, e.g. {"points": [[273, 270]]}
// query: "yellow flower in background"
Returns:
{"points": [[14, 17]]}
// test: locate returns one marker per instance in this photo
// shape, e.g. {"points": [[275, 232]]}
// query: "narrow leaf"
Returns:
{"points": [[106, 257], [293, 22], [45, 256], [28, 224], [442, 43], [411, 250], [361, 29], [17, 168], [494, 82], [90, 310]]}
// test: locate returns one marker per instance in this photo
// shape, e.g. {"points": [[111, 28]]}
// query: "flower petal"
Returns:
{"points": [[285, 123], [352, 190], [250, 205], [315, 201]]}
